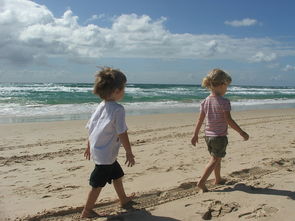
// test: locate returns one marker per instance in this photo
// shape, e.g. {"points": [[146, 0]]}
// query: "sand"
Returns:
{"points": [[44, 175]]}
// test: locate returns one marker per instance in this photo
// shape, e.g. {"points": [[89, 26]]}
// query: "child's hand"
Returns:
{"points": [[129, 159], [195, 140], [87, 152], [245, 135]]}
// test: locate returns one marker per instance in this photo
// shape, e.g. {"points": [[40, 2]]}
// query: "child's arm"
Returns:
{"points": [[195, 138], [126, 144], [87, 151], [235, 126]]}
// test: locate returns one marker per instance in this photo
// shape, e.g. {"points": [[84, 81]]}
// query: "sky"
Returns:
{"points": [[151, 41]]}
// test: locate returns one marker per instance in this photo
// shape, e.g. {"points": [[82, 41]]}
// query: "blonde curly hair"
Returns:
{"points": [[215, 78]]}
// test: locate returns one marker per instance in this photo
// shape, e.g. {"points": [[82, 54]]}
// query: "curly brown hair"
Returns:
{"points": [[107, 80]]}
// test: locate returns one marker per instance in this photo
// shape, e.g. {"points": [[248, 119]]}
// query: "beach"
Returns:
{"points": [[44, 175]]}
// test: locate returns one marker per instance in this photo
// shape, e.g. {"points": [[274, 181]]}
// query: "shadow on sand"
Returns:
{"points": [[138, 214], [255, 190]]}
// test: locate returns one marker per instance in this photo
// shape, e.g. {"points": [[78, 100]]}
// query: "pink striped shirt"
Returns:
{"points": [[214, 108]]}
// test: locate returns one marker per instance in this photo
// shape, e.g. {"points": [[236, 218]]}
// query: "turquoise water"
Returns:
{"points": [[23, 102]]}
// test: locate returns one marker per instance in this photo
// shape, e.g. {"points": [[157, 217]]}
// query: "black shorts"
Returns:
{"points": [[103, 174]]}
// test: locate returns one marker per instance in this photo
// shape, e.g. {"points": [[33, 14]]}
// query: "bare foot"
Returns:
{"points": [[127, 200], [220, 182], [88, 214], [91, 214], [202, 187]]}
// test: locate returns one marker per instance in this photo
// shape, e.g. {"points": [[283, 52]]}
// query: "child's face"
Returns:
{"points": [[224, 89], [119, 94], [221, 89]]}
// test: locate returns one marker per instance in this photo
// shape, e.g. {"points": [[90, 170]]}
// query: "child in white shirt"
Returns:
{"points": [[107, 130]]}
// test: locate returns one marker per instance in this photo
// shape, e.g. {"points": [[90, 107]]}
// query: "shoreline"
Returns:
{"points": [[42, 167], [185, 110], [31, 102]]}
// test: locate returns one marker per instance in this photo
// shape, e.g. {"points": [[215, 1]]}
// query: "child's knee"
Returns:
{"points": [[117, 180], [96, 189], [216, 159]]}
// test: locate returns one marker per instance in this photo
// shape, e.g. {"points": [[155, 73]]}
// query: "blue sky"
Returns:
{"points": [[152, 41]]}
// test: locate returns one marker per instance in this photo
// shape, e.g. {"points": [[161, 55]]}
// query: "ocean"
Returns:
{"points": [[35, 102]]}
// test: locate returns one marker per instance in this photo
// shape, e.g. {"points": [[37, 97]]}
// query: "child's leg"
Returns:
{"points": [[118, 185], [92, 197], [208, 170], [218, 179]]}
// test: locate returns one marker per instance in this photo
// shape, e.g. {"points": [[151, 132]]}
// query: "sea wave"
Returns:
{"points": [[76, 101], [252, 90], [43, 88], [37, 112]]}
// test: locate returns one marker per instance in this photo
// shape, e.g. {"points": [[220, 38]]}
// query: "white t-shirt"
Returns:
{"points": [[104, 126]]}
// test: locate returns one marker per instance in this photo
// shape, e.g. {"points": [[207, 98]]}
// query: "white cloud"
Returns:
{"points": [[289, 68], [94, 18], [241, 23], [276, 78], [31, 33], [263, 57], [273, 65]]}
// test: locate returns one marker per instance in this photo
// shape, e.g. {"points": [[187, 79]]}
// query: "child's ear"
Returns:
{"points": [[117, 91]]}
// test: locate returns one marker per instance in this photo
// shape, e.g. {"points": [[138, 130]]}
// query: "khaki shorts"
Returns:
{"points": [[217, 145]]}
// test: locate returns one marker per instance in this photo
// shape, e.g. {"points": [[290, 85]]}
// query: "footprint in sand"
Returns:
{"points": [[6, 177], [260, 211], [39, 168], [153, 168], [64, 196], [74, 168], [129, 179], [46, 196], [260, 185], [9, 171], [219, 209], [62, 188], [283, 163], [138, 142], [169, 169], [254, 172]]}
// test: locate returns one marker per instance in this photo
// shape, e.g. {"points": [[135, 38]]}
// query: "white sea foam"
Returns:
{"points": [[270, 91], [44, 88], [194, 105], [37, 112], [252, 102], [18, 110], [161, 91]]}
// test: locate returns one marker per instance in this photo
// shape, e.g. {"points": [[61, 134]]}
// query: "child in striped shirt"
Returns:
{"points": [[215, 109]]}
